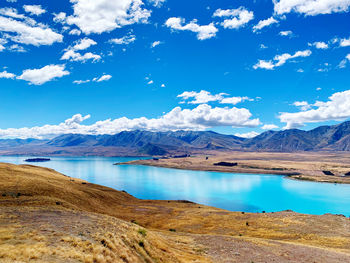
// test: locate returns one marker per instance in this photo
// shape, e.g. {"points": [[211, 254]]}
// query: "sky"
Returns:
{"points": [[234, 67]]}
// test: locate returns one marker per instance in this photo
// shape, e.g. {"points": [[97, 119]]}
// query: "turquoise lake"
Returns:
{"points": [[235, 192]]}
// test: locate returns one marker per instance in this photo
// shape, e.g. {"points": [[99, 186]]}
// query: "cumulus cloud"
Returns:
{"points": [[34, 9], [303, 105], [43, 75], [200, 118], [82, 44], [345, 61], [311, 7], [11, 12], [104, 77], [345, 42], [100, 16], [236, 18], [126, 40], [286, 33], [155, 43], [280, 60], [200, 97], [81, 81], [157, 3], [60, 17], [235, 100], [247, 135], [17, 48], [75, 32], [203, 32], [336, 108], [76, 56], [29, 32], [7, 75], [193, 97], [319, 45], [264, 23], [269, 127]]}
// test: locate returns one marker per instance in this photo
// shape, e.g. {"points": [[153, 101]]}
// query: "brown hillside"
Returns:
{"points": [[46, 216]]}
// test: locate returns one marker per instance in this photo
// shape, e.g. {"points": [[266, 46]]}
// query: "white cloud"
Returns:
{"points": [[75, 32], [82, 44], [7, 75], [286, 33], [28, 33], [269, 127], [280, 60], [300, 70], [126, 40], [100, 16], [345, 61], [102, 78], [34, 9], [235, 100], [43, 75], [262, 46], [162, 86], [2, 48], [344, 42], [76, 56], [238, 17], [157, 3], [303, 105], [200, 118], [264, 23], [16, 48], [200, 97], [150, 82], [203, 32], [205, 96], [60, 17], [155, 43], [311, 7], [247, 135], [336, 108], [81, 81], [11, 12], [319, 45]]}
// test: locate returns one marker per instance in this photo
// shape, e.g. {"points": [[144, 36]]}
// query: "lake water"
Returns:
{"points": [[235, 192]]}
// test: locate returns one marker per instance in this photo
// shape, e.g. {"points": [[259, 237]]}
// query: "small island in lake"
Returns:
{"points": [[37, 160]]}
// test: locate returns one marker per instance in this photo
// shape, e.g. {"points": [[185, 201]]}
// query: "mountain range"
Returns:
{"points": [[136, 143]]}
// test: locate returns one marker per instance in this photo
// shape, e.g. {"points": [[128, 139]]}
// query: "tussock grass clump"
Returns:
{"points": [[142, 232]]}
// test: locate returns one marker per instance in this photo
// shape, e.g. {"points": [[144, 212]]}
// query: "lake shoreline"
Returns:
{"points": [[304, 170]]}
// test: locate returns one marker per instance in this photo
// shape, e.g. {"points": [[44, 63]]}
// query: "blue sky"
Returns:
{"points": [[99, 67]]}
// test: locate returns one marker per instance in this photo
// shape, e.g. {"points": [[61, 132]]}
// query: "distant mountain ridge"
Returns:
{"points": [[323, 138]]}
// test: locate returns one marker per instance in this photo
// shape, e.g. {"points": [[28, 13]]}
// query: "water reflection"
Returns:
{"points": [[236, 192]]}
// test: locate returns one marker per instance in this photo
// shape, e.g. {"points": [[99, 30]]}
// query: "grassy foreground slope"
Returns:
{"points": [[48, 217]]}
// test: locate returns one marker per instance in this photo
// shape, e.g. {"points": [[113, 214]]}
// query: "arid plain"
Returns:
{"points": [[312, 166]]}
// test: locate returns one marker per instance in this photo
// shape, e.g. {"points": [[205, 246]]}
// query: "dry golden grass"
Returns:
{"points": [[302, 165], [48, 217]]}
